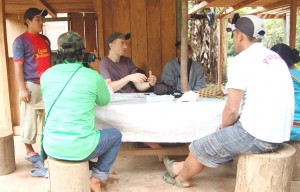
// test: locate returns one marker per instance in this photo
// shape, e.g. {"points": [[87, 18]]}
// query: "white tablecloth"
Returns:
{"points": [[166, 121]]}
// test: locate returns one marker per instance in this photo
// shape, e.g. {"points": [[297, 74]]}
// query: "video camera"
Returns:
{"points": [[88, 58]]}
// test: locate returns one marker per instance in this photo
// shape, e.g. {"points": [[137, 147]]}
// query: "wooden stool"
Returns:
{"points": [[7, 158], [266, 172], [68, 176], [296, 172]]}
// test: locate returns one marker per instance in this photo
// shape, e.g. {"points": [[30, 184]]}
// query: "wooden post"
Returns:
{"points": [[266, 172], [68, 176], [296, 171], [5, 110], [293, 22], [7, 157], [184, 47], [100, 35]]}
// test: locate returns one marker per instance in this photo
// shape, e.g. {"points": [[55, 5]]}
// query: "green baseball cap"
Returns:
{"points": [[70, 42]]}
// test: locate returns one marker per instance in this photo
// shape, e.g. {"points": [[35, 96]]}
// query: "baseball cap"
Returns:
{"points": [[117, 35], [31, 12], [251, 25], [69, 42]]}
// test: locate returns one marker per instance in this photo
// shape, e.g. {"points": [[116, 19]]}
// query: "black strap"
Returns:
{"points": [[189, 68], [60, 94]]}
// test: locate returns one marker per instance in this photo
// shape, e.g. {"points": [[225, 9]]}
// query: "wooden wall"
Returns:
{"points": [[15, 27], [152, 24], [85, 24]]}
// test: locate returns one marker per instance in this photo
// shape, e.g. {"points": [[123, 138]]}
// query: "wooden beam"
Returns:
{"points": [[293, 23], [200, 6], [239, 6], [5, 109], [150, 151], [271, 16], [268, 7], [100, 32], [222, 10], [43, 5]]}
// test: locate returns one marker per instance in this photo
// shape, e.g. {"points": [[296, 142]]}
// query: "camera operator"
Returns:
{"points": [[69, 93], [91, 60]]}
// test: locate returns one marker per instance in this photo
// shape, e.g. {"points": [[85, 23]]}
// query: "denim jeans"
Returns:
{"points": [[222, 146], [106, 151]]}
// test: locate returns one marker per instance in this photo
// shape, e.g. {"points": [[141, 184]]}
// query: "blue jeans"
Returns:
{"points": [[106, 151], [222, 146]]}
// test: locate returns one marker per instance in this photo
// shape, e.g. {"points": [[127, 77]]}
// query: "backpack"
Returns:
{"points": [[162, 88]]}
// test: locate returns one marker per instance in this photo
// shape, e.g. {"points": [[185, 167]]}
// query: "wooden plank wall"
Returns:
{"points": [[5, 113], [152, 24], [85, 24], [15, 27]]}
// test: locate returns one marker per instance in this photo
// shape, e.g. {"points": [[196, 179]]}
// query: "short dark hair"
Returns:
{"points": [[289, 55], [32, 12], [71, 57]]}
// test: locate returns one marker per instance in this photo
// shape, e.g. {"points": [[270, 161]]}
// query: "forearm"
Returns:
{"points": [[229, 117], [231, 110], [143, 86], [117, 85], [20, 76]]}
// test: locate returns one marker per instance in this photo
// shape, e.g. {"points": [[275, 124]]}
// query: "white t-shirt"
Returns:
{"points": [[268, 105]]}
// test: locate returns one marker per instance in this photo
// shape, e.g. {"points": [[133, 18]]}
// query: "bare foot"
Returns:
{"points": [[95, 184], [177, 167], [185, 183]]}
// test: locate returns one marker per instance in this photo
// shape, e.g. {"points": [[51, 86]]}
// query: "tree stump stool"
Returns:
{"points": [[296, 172], [7, 158], [266, 172], [68, 176]]}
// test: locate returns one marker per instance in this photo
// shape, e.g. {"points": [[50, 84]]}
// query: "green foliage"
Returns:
{"points": [[274, 32]]}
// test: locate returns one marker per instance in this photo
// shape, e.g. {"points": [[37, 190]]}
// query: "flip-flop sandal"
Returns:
{"points": [[169, 166], [36, 161], [168, 179], [43, 172]]}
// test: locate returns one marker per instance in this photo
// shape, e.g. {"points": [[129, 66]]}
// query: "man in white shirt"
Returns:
{"points": [[258, 114]]}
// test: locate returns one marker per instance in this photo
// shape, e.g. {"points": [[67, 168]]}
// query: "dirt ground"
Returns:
{"points": [[129, 174]]}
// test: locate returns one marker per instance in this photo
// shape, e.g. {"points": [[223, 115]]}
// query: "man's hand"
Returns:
{"points": [[137, 78], [25, 95], [151, 79]]}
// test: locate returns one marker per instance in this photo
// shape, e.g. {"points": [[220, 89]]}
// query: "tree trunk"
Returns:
{"points": [[184, 47], [296, 171], [266, 172], [68, 176], [7, 150]]}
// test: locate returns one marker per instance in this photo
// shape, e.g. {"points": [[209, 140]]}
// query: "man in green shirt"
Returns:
{"points": [[69, 93]]}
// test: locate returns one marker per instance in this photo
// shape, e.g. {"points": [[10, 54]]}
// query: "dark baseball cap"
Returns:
{"points": [[70, 42], [117, 35], [251, 25], [31, 12]]}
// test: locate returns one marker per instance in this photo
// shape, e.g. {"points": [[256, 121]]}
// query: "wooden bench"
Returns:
{"points": [[68, 176], [266, 172], [7, 158]]}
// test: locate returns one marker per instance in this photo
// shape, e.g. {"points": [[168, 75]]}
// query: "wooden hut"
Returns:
{"points": [[152, 23]]}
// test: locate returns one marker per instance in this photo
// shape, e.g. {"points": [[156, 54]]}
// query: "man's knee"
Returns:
{"points": [[117, 134]]}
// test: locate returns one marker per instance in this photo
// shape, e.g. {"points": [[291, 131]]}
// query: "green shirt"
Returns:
{"points": [[69, 133]]}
